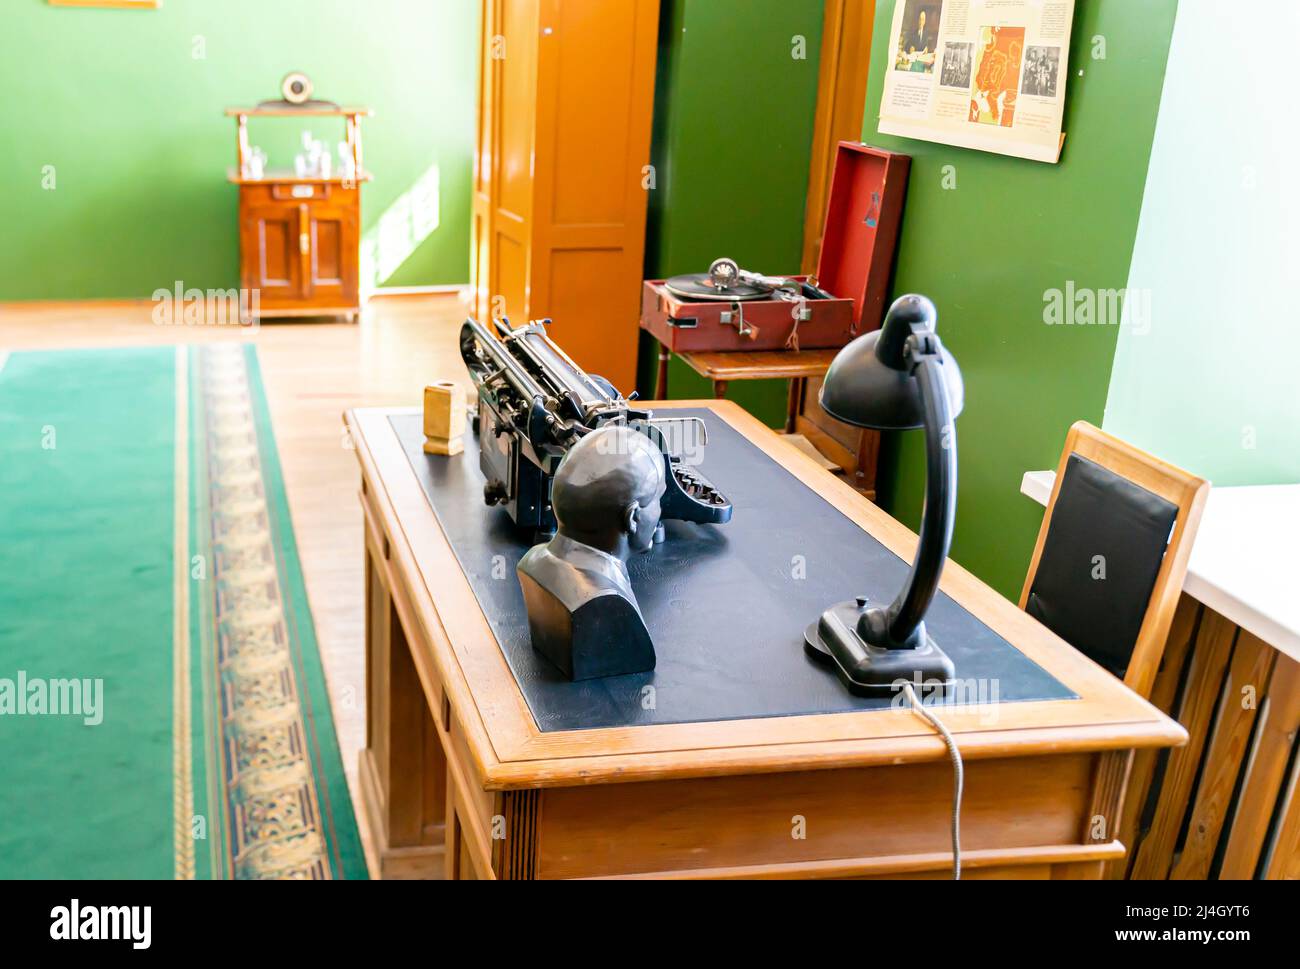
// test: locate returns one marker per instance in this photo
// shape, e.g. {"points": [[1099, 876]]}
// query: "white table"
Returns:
{"points": [[1244, 564]]}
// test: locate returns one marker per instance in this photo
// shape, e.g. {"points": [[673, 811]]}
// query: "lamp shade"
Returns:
{"points": [[870, 384]]}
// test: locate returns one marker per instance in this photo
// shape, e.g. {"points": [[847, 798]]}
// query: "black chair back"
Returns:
{"points": [[1100, 560]]}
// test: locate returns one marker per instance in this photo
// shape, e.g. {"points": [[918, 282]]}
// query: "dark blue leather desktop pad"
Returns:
{"points": [[726, 605]]}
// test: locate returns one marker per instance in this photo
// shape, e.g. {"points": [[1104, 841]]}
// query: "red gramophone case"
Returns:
{"points": [[857, 256]]}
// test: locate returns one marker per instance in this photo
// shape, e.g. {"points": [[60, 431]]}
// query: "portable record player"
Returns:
{"points": [[732, 308]]}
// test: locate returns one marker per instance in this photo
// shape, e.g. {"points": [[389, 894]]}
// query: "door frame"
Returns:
{"points": [[847, 32]]}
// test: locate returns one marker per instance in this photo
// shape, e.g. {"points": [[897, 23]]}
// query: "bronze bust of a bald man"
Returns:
{"points": [[582, 613]]}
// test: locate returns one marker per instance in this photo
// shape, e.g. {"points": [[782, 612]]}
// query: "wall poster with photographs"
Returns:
{"points": [[982, 74]]}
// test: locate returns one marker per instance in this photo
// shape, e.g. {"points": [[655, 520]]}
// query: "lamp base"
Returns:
{"points": [[867, 669]]}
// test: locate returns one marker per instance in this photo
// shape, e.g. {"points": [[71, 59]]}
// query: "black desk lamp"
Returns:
{"points": [[897, 379]]}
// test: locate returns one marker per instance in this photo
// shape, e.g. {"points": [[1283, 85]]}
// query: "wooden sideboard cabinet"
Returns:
{"points": [[300, 237], [298, 246]]}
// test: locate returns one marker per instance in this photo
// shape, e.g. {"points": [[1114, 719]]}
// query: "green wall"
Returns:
{"points": [[1209, 380], [987, 252], [734, 113], [132, 122]]}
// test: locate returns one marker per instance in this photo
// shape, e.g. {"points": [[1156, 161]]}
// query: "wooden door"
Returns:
{"points": [[561, 177], [270, 246], [596, 75], [330, 263]]}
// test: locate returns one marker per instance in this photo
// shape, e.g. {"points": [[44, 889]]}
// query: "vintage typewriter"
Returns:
{"points": [[534, 403]]}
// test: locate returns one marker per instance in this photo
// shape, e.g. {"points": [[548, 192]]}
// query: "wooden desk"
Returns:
{"points": [[459, 781]]}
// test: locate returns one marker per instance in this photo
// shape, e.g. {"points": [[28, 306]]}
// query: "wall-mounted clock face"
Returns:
{"points": [[296, 88]]}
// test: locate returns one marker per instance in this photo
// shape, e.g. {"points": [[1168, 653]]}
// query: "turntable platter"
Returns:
{"points": [[701, 287]]}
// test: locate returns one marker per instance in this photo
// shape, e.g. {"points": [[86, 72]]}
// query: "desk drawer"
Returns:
{"points": [[799, 822], [295, 193]]}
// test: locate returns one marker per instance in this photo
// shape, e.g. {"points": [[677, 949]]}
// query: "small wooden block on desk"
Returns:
{"points": [[444, 418]]}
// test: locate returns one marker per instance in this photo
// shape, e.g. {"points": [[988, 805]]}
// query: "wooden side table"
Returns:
{"points": [[854, 450], [795, 366]]}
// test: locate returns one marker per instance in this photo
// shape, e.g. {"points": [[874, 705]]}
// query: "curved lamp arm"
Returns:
{"points": [[898, 380], [908, 610]]}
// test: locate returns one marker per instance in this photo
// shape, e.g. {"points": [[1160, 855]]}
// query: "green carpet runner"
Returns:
{"points": [[163, 711]]}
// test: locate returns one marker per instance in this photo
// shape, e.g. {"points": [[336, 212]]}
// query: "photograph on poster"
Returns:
{"points": [[1042, 66], [918, 40], [956, 65]]}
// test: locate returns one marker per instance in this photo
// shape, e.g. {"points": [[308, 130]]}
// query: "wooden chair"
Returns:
{"points": [[1103, 576]]}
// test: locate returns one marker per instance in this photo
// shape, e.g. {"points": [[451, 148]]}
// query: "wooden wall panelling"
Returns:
{"points": [[1252, 665], [1214, 642], [1265, 772], [1225, 794], [1284, 854], [1164, 692]]}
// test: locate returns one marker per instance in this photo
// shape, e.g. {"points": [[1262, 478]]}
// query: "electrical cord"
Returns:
{"points": [[958, 770]]}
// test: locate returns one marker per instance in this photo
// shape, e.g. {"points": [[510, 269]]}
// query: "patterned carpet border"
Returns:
{"points": [[265, 757]]}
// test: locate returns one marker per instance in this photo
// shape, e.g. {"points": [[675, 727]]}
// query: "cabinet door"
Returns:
{"points": [[330, 264], [270, 253]]}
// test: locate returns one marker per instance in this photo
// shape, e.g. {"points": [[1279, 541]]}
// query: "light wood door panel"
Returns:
{"points": [[566, 104], [503, 160], [596, 73]]}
